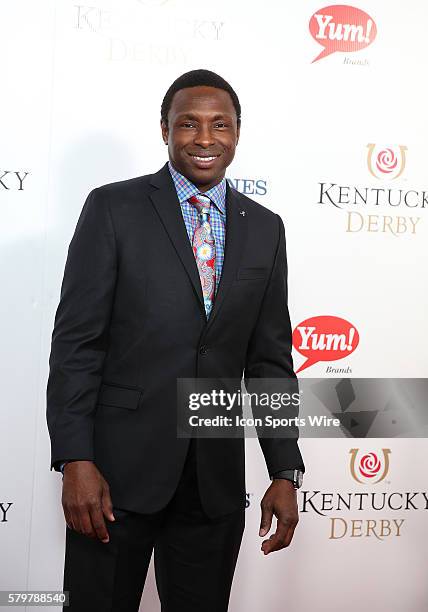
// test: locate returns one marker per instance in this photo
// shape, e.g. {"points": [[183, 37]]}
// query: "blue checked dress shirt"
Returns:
{"points": [[217, 194]]}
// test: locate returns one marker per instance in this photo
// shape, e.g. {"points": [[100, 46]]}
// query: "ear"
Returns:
{"points": [[165, 131], [238, 132]]}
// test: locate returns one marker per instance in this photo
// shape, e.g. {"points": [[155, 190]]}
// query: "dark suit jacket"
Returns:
{"points": [[131, 321]]}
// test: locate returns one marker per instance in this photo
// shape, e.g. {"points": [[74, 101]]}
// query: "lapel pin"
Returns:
{"points": [[242, 212]]}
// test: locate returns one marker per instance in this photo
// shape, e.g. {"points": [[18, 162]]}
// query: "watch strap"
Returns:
{"points": [[295, 476]]}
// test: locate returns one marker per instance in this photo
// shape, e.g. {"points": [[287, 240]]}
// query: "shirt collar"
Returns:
{"points": [[185, 189]]}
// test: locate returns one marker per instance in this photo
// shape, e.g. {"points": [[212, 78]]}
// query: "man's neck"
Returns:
{"points": [[201, 188]]}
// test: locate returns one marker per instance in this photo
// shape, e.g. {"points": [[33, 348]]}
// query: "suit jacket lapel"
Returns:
{"points": [[166, 203]]}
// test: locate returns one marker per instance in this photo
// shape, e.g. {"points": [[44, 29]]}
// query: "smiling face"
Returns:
{"points": [[202, 134]]}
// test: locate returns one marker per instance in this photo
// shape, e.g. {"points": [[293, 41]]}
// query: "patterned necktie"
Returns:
{"points": [[204, 249]]}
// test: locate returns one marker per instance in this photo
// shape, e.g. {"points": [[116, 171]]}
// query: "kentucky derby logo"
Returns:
{"points": [[386, 163], [369, 468]]}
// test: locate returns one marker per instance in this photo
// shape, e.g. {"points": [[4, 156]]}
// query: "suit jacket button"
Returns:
{"points": [[203, 350]]}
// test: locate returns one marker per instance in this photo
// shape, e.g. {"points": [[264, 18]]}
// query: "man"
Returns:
{"points": [[169, 275]]}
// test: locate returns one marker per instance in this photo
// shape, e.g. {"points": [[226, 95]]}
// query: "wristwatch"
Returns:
{"points": [[295, 476]]}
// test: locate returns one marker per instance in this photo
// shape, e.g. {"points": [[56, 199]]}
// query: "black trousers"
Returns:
{"points": [[194, 556]]}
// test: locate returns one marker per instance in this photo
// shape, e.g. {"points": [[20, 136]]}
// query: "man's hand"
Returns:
{"points": [[280, 499], [86, 500]]}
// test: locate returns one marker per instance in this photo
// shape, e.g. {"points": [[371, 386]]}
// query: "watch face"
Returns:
{"points": [[299, 478]]}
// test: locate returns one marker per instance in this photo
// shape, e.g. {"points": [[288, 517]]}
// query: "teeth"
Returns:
{"points": [[203, 158]]}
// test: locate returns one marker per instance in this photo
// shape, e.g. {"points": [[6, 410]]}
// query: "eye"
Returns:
{"points": [[188, 124], [220, 124]]}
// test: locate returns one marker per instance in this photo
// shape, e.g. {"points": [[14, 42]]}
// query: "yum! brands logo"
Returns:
{"points": [[370, 468], [341, 28], [325, 338]]}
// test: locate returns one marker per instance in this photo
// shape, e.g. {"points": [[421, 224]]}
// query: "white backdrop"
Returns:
{"points": [[81, 92]]}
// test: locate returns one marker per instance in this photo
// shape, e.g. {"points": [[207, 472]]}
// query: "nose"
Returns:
{"points": [[204, 136]]}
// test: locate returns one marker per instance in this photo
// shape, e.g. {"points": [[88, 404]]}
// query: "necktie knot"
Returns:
{"points": [[202, 203]]}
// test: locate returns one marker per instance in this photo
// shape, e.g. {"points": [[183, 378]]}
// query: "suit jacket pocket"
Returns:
{"points": [[120, 396], [249, 273]]}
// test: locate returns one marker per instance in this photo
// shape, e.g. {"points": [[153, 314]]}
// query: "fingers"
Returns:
{"points": [[72, 519], [281, 538], [107, 504], [290, 534], [86, 525], [68, 519], [275, 542], [88, 520], [98, 523], [266, 519]]}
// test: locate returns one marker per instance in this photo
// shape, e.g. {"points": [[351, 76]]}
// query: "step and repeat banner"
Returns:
{"points": [[333, 139]]}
